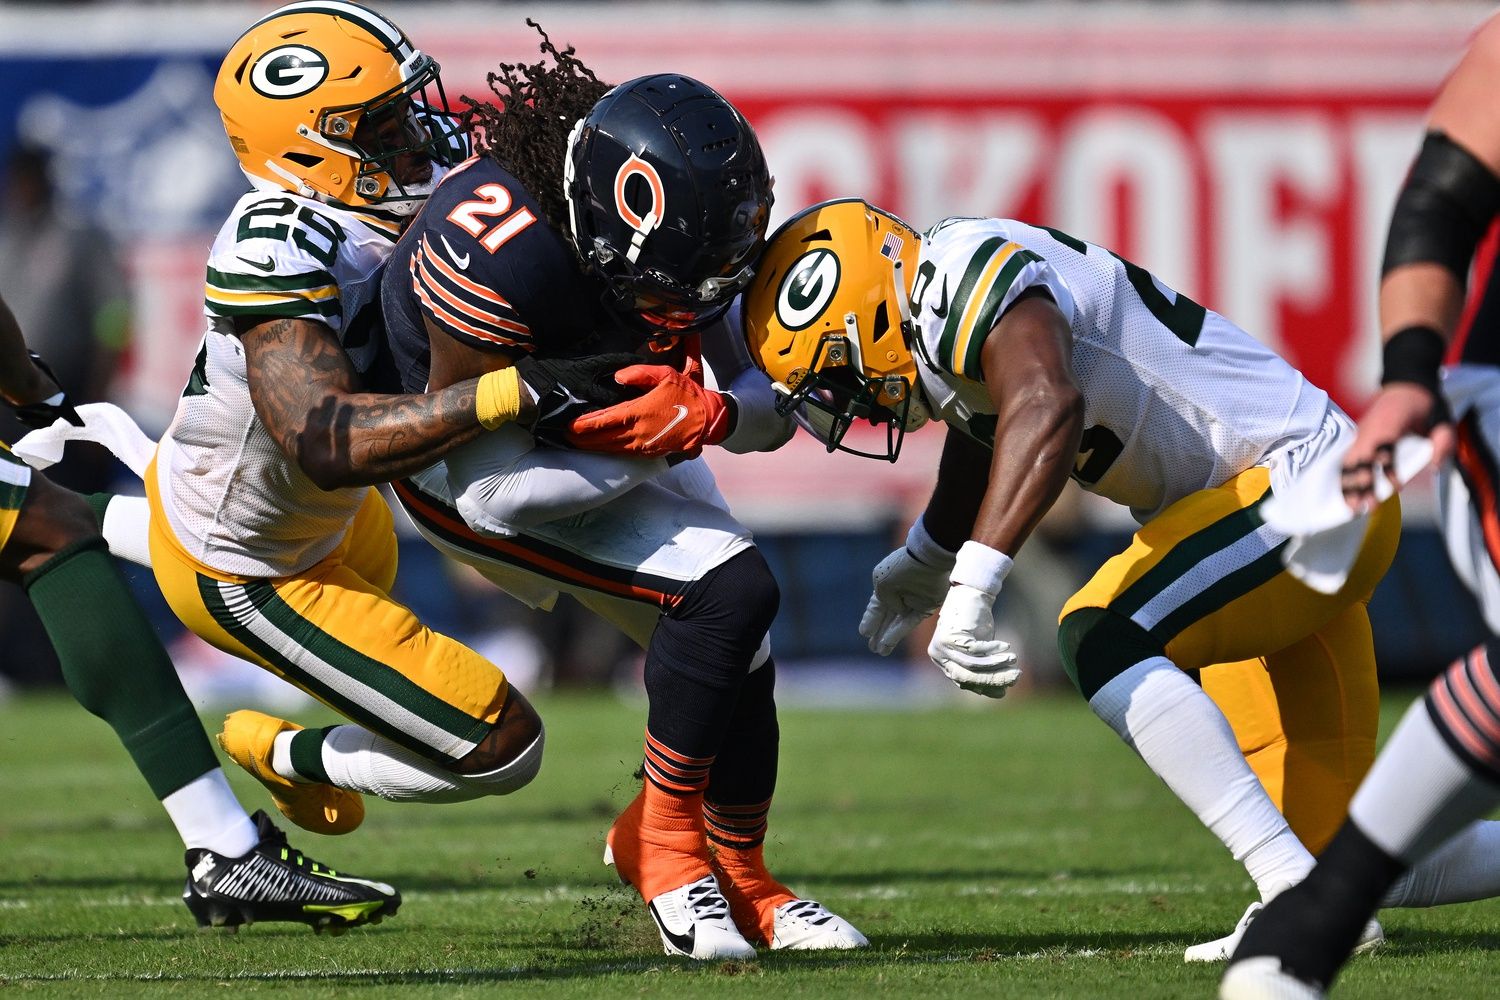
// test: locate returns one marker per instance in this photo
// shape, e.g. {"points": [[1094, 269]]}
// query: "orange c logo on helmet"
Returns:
{"points": [[630, 168]]}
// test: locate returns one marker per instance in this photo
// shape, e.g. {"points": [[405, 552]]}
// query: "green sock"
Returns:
{"points": [[307, 753], [98, 503], [115, 665]]}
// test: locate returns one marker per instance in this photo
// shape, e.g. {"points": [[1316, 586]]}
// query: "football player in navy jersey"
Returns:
{"points": [[598, 219]]}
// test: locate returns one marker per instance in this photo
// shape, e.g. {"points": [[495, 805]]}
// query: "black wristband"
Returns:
{"points": [[1414, 354]]}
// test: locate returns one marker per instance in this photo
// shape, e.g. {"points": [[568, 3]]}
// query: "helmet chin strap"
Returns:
{"points": [[419, 192], [917, 410], [290, 181]]}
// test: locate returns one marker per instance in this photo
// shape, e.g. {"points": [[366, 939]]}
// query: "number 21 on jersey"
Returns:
{"points": [[490, 201]]}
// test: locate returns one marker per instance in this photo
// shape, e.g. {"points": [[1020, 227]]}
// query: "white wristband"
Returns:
{"points": [[981, 567], [925, 549]]}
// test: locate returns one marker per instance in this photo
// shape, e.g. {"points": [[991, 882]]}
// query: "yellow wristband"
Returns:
{"points": [[497, 399]]}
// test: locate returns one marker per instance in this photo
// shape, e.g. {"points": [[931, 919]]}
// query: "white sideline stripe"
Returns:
{"points": [[1056, 887], [1207, 573], [395, 715]]}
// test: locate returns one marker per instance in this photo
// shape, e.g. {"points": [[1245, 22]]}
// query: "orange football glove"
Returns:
{"points": [[676, 416]]}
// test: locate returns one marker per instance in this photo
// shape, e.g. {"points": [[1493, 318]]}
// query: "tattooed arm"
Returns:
{"points": [[306, 393]]}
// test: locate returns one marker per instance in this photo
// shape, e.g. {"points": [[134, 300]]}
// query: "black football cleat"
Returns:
{"points": [[275, 881]]}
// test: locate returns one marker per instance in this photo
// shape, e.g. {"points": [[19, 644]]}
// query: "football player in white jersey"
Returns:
{"points": [[1441, 767], [1048, 358], [265, 535]]}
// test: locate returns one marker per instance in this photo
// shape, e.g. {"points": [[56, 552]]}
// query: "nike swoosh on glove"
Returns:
{"points": [[677, 415], [905, 592], [964, 645]]}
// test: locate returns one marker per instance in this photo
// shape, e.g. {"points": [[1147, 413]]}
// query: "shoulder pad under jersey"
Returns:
{"points": [[486, 268]]}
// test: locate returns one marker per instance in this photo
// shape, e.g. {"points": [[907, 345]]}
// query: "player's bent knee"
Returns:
{"points": [[1097, 645], [762, 655], [718, 632], [52, 520], [742, 591], [514, 734], [513, 775]]}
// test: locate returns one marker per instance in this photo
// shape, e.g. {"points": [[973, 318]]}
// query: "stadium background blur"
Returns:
{"points": [[1248, 153]]}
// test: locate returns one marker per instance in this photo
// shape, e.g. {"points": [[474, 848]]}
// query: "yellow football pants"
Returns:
{"points": [[335, 632], [1292, 669], [15, 477]]}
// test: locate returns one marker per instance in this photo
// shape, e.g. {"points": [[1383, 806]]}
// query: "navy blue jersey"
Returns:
{"points": [[1476, 339], [482, 264]]}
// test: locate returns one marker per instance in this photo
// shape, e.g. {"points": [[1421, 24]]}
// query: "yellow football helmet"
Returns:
{"points": [[828, 318], [325, 98]]}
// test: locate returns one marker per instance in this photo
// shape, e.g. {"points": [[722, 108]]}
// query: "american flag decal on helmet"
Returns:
{"points": [[891, 248]]}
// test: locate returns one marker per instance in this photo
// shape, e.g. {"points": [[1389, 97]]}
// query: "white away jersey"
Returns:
{"points": [[234, 500], [1176, 398]]}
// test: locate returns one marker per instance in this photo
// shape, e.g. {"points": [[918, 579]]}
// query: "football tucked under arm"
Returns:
{"points": [[506, 482], [673, 414]]}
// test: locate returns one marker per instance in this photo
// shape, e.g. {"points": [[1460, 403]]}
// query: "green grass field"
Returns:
{"points": [[1018, 851]]}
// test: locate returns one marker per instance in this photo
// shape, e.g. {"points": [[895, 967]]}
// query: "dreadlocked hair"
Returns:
{"points": [[527, 133]]}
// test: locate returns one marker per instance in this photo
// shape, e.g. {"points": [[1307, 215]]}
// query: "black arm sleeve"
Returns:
{"points": [[1443, 210]]}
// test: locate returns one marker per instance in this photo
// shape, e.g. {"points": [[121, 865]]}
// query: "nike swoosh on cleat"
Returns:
{"points": [[682, 942], [461, 260], [268, 265], [681, 415]]}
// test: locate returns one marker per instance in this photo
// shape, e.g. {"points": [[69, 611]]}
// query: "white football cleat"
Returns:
{"points": [[1220, 949], [693, 920], [808, 925], [1261, 978]]}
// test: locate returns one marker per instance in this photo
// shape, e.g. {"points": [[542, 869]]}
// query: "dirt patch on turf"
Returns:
{"points": [[615, 919]]}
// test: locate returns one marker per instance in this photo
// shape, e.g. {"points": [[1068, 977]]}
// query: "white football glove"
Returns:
{"points": [[964, 645], [906, 591]]}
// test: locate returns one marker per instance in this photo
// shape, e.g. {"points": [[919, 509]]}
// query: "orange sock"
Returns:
{"points": [[660, 841], [752, 891]]}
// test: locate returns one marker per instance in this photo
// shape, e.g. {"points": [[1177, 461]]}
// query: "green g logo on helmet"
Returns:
{"points": [[808, 287], [288, 71]]}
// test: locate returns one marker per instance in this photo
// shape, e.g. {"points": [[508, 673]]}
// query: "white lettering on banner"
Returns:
{"points": [[1274, 217], [817, 154], [1265, 255], [1382, 147], [954, 164], [1143, 152]]}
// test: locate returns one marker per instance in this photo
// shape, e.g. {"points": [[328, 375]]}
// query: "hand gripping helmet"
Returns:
{"points": [[327, 98], [668, 201], [828, 318]]}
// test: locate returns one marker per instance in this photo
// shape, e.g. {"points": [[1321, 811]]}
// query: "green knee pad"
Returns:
{"points": [[1098, 644]]}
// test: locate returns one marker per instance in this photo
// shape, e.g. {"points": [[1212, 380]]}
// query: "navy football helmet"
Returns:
{"points": [[668, 200]]}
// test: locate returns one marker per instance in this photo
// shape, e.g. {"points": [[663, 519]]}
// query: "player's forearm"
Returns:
{"points": [[1036, 444], [1422, 294], [963, 476], [359, 439]]}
